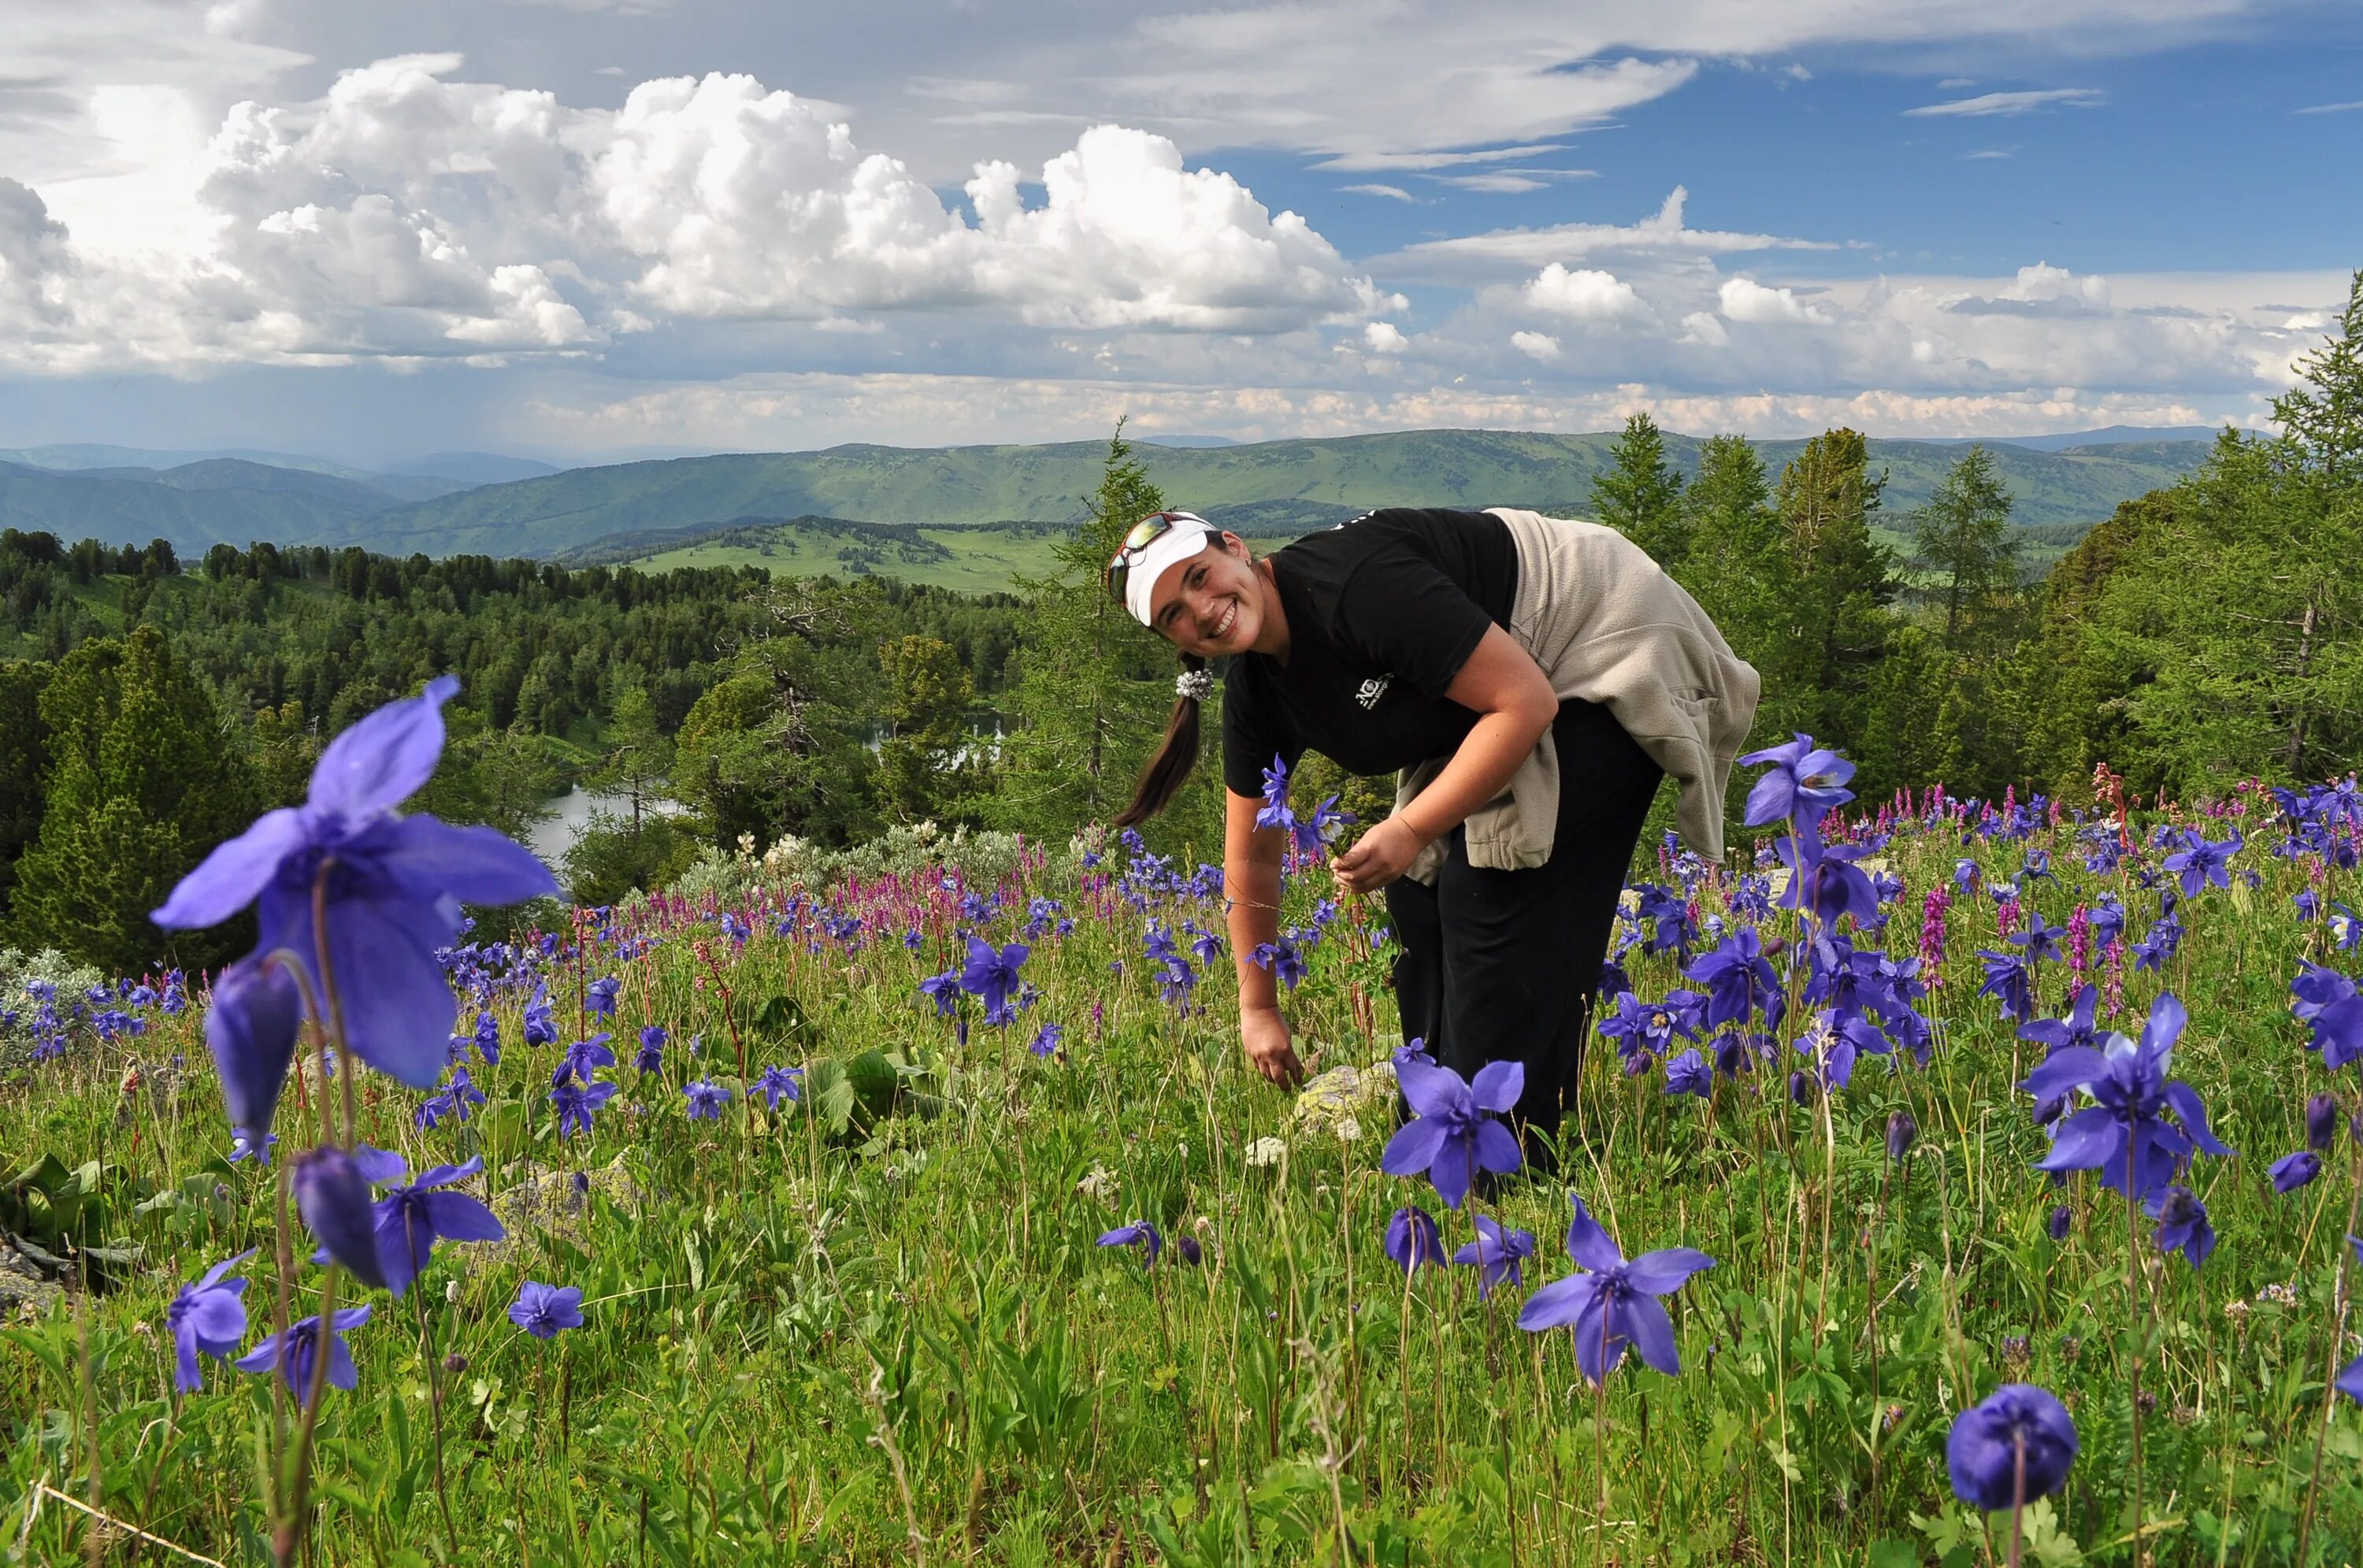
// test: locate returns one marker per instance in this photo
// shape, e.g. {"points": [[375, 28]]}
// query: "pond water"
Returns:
{"points": [[554, 836]]}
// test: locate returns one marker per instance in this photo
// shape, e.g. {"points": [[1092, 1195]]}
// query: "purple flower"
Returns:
{"points": [[332, 1193], [1412, 1241], [1274, 812], [778, 1084], [2293, 1171], [411, 1218], [1805, 782], [991, 975], [488, 1038], [1613, 1303], [944, 990], [2056, 1034], [2182, 1224], [2327, 1002], [1045, 1040], [2057, 1226], [1902, 1134], [599, 996], [541, 1029], [250, 1029], [1823, 881], [542, 1309], [294, 1354], [1282, 958], [1140, 1234], [583, 1058], [578, 1103], [1738, 979], [2142, 1127], [707, 1099], [2018, 1423], [2009, 980], [650, 1057], [2321, 1121], [1496, 1255], [2041, 941], [2202, 864], [1450, 1131], [1688, 1074], [207, 1315], [395, 884]]}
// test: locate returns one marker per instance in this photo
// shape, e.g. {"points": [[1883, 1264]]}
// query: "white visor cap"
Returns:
{"points": [[1189, 534]]}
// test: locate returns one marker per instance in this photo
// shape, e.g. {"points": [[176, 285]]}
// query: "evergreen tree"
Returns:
{"points": [[1640, 495], [1963, 551], [2323, 418], [1092, 686], [920, 772], [640, 757], [1737, 566], [1838, 585], [143, 781], [23, 757]]}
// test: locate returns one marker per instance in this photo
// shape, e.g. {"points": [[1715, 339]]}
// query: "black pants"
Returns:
{"points": [[1501, 966]]}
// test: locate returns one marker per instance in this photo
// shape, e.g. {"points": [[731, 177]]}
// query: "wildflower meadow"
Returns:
{"points": [[1953, 1181]]}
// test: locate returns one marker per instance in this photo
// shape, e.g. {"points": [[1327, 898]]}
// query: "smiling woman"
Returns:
{"points": [[1529, 681]]}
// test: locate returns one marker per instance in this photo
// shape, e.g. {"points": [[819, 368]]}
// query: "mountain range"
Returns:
{"points": [[485, 503]]}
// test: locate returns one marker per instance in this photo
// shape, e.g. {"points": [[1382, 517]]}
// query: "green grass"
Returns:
{"points": [[877, 1329]]}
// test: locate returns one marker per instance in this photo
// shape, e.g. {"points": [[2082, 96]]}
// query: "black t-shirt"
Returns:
{"points": [[1383, 612]]}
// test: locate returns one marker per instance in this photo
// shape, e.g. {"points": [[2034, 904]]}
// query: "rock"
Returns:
{"points": [[25, 1290], [1343, 1101], [558, 1203]]}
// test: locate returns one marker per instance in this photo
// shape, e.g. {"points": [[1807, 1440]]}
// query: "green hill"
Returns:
{"points": [[1296, 485]]}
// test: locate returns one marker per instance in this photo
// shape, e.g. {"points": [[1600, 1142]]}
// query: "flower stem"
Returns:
{"points": [[2330, 1375], [2138, 1330]]}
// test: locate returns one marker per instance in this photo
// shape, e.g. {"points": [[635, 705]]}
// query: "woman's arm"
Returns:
{"points": [[1251, 857], [1515, 704]]}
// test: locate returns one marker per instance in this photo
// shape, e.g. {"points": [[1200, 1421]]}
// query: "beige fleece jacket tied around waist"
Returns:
{"points": [[1609, 626]]}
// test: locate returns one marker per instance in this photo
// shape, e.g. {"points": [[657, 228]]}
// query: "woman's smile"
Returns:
{"points": [[1223, 623]]}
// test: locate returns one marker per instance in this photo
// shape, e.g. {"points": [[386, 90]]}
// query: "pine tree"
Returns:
{"points": [[1839, 585], [143, 782], [1640, 496], [2323, 419], [1093, 686], [640, 757], [23, 757], [1735, 566], [1964, 552], [920, 775]]}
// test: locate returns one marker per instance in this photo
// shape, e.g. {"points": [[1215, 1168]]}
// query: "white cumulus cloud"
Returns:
{"points": [[1539, 345], [1585, 294], [1744, 298]]}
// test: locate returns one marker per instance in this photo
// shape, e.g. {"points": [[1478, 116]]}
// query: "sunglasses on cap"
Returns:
{"points": [[1145, 533]]}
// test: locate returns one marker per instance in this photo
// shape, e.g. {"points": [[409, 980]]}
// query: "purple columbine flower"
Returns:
{"points": [[488, 1038], [1451, 1133], [542, 1311], [1738, 980], [1688, 1074], [778, 1084], [2328, 1002], [991, 975], [541, 1029], [2057, 1226], [2056, 1034], [293, 1353], [2142, 1127], [1496, 1255], [250, 1029], [1614, 1303], [599, 996], [1984, 1450], [578, 1103], [2320, 1122], [2202, 864], [2010, 980], [583, 1058], [1045, 1040], [394, 883], [332, 1193], [1804, 783], [411, 1218], [1412, 1241], [2293, 1171], [650, 1057], [944, 990], [2041, 941], [209, 1317], [707, 1099], [1902, 1134], [1140, 1234], [1282, 958], [2182, 1224]]}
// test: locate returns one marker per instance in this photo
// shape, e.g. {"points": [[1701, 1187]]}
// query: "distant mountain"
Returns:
{"points": [[199, 504], [475, 468], [1266, 488], [1188, 441], [2108, 435]]}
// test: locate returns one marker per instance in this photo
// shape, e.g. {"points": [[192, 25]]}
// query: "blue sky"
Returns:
{"points": [[606, 227]]}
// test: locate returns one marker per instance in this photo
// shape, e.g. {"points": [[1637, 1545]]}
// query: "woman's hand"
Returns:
{"points": [[1378, 857], [1264, 1034]]}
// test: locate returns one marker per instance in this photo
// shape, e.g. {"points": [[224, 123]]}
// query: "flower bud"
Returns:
{"points": [[2321, 1121], [333, 1195], [1902, 1134], [250, 1029], [2049, 1111], [2059, 1223], [455, 1364], [1801, 1089]]}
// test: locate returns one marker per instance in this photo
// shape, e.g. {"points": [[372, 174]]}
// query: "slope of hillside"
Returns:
{"points": [[934, 486]]}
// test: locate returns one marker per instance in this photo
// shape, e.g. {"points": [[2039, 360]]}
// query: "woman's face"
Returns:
{"points": [[1212, 603]]}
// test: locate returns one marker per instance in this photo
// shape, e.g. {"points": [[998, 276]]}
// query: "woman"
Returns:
{"points": [[1528, 680]]}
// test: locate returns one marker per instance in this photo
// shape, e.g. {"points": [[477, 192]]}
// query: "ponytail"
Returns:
{"points": [[1170, 768]]}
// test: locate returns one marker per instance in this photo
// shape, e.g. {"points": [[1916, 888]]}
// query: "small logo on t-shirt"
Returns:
{"points": [[1372, 691]]}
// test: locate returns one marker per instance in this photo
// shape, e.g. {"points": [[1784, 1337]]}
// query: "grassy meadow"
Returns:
{"points": [[873, 1325]]}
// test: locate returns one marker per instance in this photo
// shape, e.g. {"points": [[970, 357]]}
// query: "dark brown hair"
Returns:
{"points": [[1166, 772]]}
